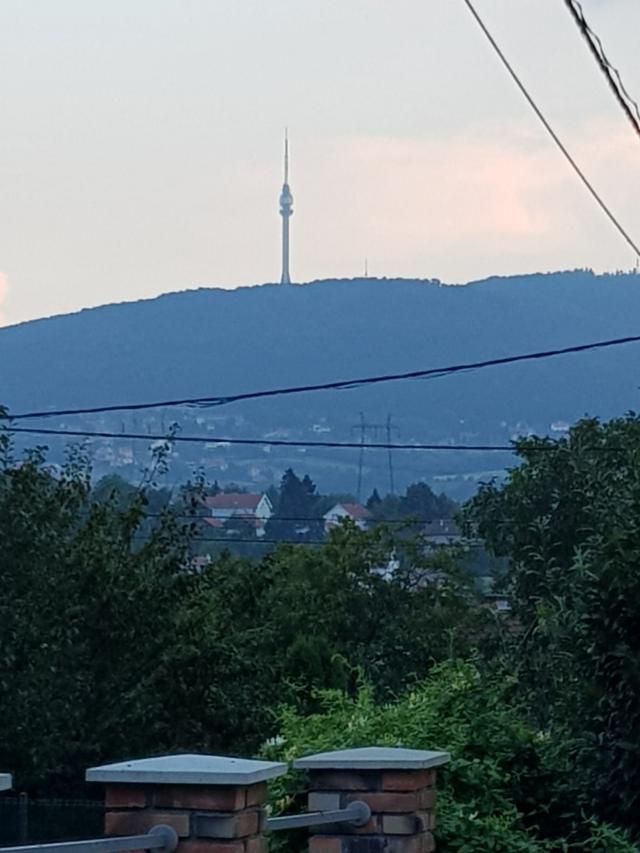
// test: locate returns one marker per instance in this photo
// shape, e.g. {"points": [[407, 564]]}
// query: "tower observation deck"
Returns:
{"points": [[286, 210]]}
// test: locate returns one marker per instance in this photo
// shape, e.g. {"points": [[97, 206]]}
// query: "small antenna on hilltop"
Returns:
{"points": [[366, 267]]}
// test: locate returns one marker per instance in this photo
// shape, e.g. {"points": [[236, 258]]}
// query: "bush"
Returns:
{"points": [[499, 778]]}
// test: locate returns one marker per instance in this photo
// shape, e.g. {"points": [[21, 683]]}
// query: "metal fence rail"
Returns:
{"points": [[356, 813], [161, 839]]}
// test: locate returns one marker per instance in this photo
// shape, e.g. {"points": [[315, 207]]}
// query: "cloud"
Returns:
{"points": [[479, 201], [4, 289]]}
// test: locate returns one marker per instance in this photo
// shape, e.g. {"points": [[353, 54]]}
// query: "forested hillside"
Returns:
{"points": [[213, 341]]}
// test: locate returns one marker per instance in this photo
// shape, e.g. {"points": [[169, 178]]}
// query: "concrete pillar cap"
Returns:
{"points": [[187, 770], [373, 758], [6, 781]]}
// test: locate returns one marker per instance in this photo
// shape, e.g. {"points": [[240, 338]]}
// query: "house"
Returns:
{"points": [[198, 564], [356, 512], [441, 532], [255, 509], [497, 601]]}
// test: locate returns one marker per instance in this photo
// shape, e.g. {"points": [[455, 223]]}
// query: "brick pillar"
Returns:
{"points": [[397, 784], [215, 804]]}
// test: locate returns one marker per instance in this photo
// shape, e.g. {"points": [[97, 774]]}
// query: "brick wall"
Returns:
{"points": [[402, 807], [221, 819]]}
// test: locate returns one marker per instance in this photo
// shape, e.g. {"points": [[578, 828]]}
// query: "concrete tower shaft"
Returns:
{"points": [[286, 210]]}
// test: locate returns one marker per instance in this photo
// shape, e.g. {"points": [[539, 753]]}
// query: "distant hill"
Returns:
{"points": [[213, 341]]}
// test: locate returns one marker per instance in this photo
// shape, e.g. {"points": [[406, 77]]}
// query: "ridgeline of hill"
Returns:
{"points": [[213, 341]]}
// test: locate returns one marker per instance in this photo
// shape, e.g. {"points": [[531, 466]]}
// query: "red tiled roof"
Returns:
{"points": [[357, 511], [233, 500], [213, 522]]}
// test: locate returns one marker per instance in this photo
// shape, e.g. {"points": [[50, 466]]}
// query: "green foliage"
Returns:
{"points": [[111, 645], [494, 757], [568, 519], [80, 611], [604, 838], [337, 600], [501, 775], [297, 510], [374, 500], [418, 502]]}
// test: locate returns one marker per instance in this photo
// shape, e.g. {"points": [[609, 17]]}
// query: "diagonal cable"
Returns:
{"points": [[337, 385], [628, 104], [599, 200]]}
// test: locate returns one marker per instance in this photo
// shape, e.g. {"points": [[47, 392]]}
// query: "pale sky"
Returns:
{"points": [[141, 143]]}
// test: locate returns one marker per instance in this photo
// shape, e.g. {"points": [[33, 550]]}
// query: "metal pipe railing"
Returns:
{"points": [[160, 839], [356, 813], [163, 839]]}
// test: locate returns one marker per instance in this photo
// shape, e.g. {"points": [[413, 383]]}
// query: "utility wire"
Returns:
{"points": [[550, 130], [552, 444], [246, 541], [338, 385], [199, 439], [612, 75], [408, 519]]}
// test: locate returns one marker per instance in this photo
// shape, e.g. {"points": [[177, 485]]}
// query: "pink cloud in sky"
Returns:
{"points": [[476, 197], [4, 288]]}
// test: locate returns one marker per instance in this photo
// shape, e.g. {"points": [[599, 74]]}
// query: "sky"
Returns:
{"points": [[141, 144]]}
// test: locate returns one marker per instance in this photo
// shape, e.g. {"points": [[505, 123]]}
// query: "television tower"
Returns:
{"points": [[286, 209]]}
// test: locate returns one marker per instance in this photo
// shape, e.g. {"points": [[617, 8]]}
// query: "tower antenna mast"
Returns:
{"points": [[286, 211], [286, 155]]}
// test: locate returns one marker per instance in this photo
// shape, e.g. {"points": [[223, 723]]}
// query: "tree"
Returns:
{"points": [[338, 601], [296, 516], [500, 782], [374, 500], [114, 643], [75, 620], [231, 489], [115, 489], [421, 502], [568, 520], [388, 509], [109, 646], [120, 494]]}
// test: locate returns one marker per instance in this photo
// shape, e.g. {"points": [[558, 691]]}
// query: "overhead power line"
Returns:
{"points": [[408, 519], [263, 442], [551, 444], [338, 385], [551, 131], [612, 75], [246, 540]]}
